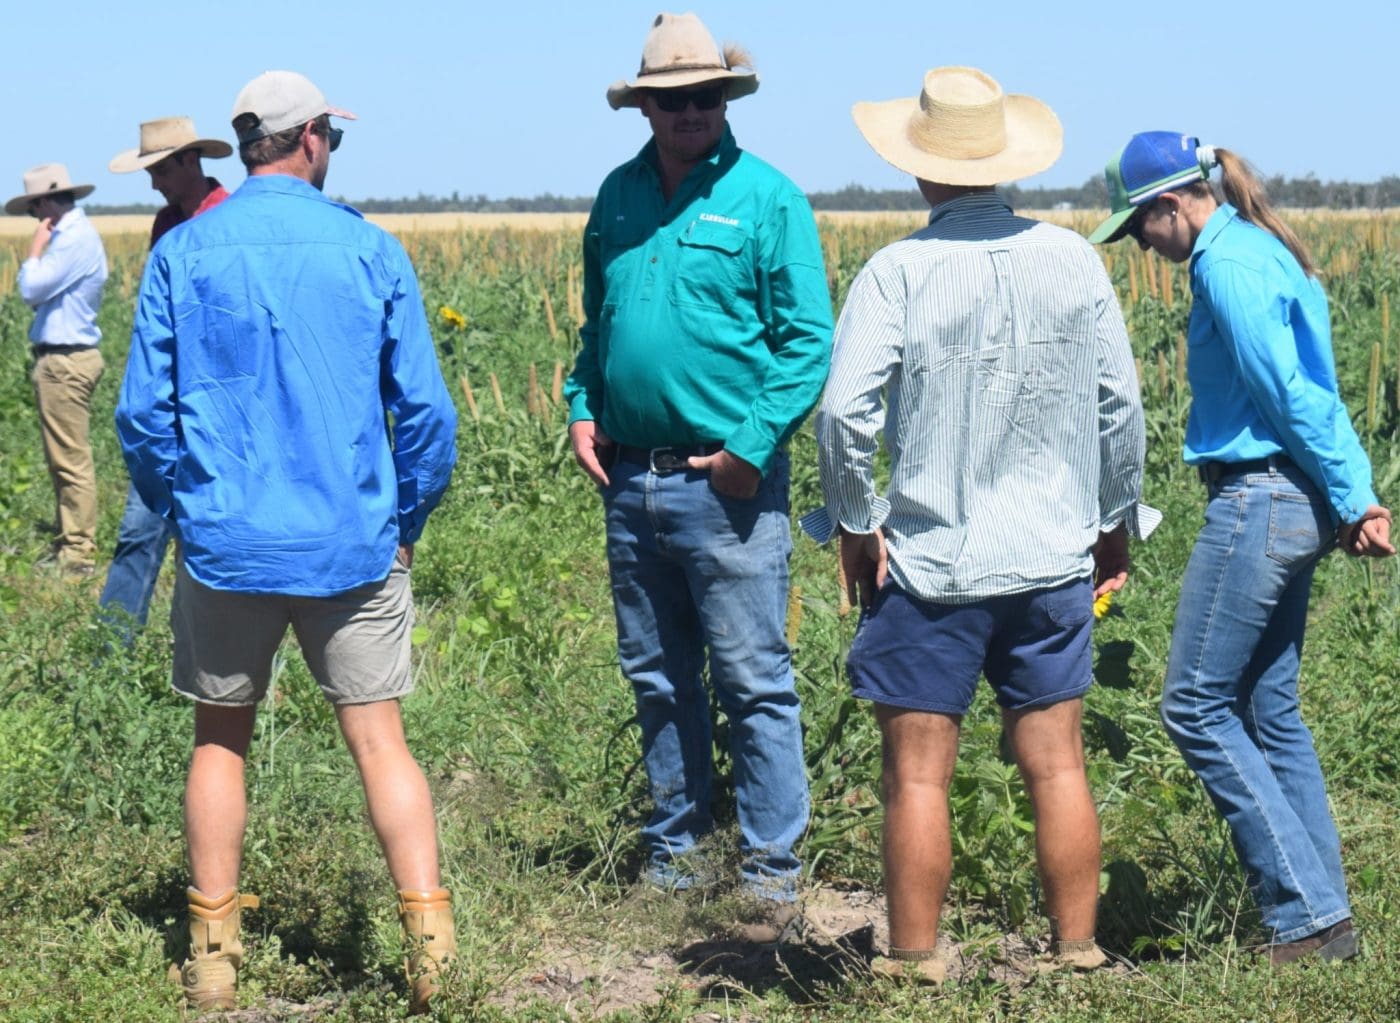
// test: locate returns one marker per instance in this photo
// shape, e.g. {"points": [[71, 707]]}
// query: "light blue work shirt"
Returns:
{"points": [[283, 403], [64, 285], [1259, 358]]}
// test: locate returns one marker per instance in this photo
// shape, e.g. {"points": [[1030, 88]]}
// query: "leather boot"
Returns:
{"points": [[209, 977], [429, 941]]}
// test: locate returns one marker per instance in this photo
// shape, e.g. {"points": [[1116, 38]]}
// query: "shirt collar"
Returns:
{"points": [[69, 219], [973, 204], [725, 148], [288, 184], [1215, 223]]}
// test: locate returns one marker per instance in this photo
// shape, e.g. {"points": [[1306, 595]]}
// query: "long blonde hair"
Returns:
{"points": [[1244, 191]]}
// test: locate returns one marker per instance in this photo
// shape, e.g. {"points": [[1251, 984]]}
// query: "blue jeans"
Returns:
{"points": [[1230, 701], [141, 542], [694, 572]]}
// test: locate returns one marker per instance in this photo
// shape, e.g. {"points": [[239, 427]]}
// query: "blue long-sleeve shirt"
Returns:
{"points": [[1259, 359], [283, 403], [64, 285]]}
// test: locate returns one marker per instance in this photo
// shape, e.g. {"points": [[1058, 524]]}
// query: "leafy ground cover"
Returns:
{"points": [[523, 724]]}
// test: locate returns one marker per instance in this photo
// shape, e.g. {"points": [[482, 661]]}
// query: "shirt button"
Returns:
{"points": [[653, 259]]}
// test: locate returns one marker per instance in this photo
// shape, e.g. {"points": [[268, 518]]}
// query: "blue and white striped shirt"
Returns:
{"points": [[1011, 406]]}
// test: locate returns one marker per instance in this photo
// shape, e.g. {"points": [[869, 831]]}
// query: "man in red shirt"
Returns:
{"points": [[170, 152]]}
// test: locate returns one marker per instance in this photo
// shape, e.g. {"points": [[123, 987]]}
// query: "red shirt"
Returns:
{"points": [[172, 215]]}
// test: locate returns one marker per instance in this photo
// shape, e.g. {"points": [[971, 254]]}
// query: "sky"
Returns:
{"points": [[507, 98]]}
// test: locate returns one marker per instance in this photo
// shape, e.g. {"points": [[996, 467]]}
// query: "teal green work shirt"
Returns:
{"points": [[707, 317]]}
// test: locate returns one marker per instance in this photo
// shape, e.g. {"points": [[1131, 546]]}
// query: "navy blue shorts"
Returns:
{"points": [[1035, 649]]}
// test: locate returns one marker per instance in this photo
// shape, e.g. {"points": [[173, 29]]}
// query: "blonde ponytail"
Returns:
{"points": [[1244, 192]]}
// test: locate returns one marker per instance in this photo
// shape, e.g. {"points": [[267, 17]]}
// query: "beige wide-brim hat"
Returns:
{"points": [[164, 137], [963, 130], [680, 51], [45, 179]]}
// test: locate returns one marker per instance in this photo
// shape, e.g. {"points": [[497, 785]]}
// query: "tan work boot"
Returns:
{"points": [[1071, 955], [209, 977], [429, 941], [921, 965]]}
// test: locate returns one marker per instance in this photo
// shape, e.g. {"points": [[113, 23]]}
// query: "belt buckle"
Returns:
{"points": [[669, 462]]}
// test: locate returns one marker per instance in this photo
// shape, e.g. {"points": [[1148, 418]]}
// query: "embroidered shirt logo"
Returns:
{"points": [[715, 218]]}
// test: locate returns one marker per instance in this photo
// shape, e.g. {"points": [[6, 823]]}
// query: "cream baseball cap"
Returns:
{"points": [[281, 100]]}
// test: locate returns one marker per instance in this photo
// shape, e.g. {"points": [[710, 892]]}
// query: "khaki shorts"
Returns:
{"points": [[356, 643]]}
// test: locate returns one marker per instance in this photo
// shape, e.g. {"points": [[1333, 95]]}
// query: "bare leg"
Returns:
{"points": [[919, 751], [1049, 749], [400, 806], [216, 806]]}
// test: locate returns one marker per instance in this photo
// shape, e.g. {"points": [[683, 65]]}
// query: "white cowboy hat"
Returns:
{"points": [[166, 137], [963, 130], [680, 51], [45, 179]]}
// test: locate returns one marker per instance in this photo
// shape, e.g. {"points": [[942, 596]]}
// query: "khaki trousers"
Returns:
{"points": [[63, 386]]}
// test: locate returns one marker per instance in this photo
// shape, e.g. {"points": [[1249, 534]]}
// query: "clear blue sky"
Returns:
{"points": [[507, 98]]}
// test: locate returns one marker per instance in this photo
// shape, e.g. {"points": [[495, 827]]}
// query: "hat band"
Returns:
{"points": [[681, 67]]}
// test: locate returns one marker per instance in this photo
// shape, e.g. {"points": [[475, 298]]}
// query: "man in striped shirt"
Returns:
{"points": [[1014, 426]]}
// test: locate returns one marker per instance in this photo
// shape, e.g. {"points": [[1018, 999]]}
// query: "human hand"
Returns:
{"points": [[865, 563], [42, 234], [592, 449], [1369, 536], [1111, 561], [405, 555], [729, 474]]}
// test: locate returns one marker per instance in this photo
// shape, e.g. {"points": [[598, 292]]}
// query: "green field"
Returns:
{"points": [[522, 722]]}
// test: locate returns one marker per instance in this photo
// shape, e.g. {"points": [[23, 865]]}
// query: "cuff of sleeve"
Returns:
{"points": [[1356, 504], [752, 446], [821, 526], [579, 409], [1141, 519]]}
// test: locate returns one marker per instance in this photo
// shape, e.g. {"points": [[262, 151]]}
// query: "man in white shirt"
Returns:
{"points": [[61, 280]]}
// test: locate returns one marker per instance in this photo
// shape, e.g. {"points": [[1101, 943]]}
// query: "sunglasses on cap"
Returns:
{"points": [[673, 101]]}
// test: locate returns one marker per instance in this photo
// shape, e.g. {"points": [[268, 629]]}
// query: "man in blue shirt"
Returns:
{"points": [[61, 280], [275, 337]]}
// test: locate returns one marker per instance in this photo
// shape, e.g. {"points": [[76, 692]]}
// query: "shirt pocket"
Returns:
{"points": [[712, 265]]}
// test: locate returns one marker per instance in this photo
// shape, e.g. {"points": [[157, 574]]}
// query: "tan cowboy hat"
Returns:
{"points": [[680, 51], [963, 130], [42, 180], [166, 137]]}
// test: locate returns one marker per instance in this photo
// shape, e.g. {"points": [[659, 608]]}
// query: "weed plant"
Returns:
{"points": [[524, 725]]}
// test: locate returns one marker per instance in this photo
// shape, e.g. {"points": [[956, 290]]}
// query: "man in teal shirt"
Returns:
{"points": [[706, 342]]}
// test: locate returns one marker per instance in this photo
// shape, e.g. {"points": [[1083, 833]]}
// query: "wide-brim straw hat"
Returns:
{"points": [[45, 179], [963, 130], [164, 137], [680, 51]]}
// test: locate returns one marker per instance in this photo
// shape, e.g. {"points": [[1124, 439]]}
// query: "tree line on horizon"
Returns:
{"points": [[1294, 193]]}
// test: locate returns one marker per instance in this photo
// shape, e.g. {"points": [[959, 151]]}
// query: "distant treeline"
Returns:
{"points": [[1295, 193]]}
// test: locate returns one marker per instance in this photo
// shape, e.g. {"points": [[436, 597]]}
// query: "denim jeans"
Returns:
{"points": [[695, 572], [141, 542], [1230, 700]]}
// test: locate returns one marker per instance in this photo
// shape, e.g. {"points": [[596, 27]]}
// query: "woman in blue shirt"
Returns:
{"points": [[1287, 480]]}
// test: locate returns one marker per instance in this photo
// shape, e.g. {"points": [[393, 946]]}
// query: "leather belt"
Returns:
{"points": [[674, 458], [1211, 473]]}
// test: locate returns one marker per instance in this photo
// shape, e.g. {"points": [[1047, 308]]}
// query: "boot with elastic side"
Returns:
{"points": [[429, 941], [209, 977]]}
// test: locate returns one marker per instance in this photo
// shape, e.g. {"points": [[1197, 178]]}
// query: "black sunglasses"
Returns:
{"points": [[333, 137], [673, 101], [1133, 228]]}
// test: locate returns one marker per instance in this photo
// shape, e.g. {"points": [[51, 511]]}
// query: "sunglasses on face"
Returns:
{"points": [[333, 137], [1133, 228], [673, 101]]}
